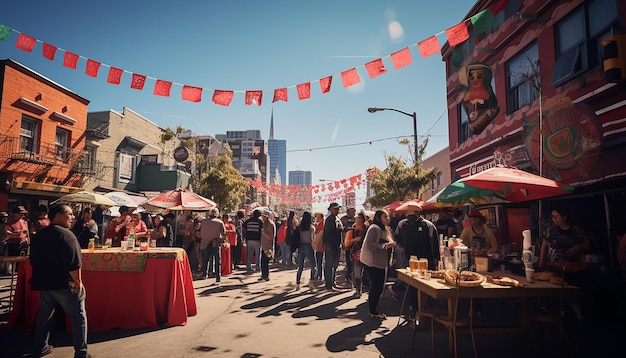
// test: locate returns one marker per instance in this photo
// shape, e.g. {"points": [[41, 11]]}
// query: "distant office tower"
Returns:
{"points": [[300, 177], [277, 150]]}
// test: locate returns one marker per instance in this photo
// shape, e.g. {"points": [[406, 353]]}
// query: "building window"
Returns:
{"points": [[521, 71], [127, 168], [61, 144], [90, 159], [502, 15], [439, 179], [578, 38], [28, 135], [464, 130]]}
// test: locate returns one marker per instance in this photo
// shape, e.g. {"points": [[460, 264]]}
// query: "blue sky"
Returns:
{"points": [[256, 45]]}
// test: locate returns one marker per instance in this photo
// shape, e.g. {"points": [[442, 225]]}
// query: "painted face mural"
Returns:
{"points": [[479, 101]]}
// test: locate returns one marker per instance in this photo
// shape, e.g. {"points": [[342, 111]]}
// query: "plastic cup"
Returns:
{"points": [[124, 245], [427, 275], [530, 275], [143, 246]]}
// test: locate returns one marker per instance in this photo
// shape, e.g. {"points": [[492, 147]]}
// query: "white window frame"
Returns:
{"points": [[28, 136], [127, 168]]}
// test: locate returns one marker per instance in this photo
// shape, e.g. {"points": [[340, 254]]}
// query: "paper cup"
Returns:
{"points": [[530, 275], [124, 245]]}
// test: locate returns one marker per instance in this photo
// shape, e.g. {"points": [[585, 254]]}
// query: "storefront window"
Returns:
{"points": [[521, 71]]}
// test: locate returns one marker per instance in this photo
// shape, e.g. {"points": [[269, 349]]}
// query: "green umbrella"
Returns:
{"points": [[459, 193]]}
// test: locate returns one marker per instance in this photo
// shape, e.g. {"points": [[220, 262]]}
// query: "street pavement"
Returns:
{"points": [[247, 318]]}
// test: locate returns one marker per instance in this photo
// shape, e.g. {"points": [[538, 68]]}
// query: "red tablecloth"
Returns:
{"points": [[227, 268], [162, 294]]}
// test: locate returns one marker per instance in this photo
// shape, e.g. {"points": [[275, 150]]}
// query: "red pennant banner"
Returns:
{"points": [[138, 81], [49, 51], [457, 34], [375, 68], [25, 42], [325, 83], [223, 98], [162, 88], [70, 60], [304, 90], [429, 47], [498, 6], [401, 58], [350, 77], [192, 94], [115, 75], [92, 68], [254, 97], [280, 94]]}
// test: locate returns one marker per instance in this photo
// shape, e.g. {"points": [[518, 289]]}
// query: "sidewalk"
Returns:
{"points": [[244, 317]]}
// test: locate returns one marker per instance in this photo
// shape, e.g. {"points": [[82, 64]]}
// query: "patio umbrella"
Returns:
{"points": [[411, 205], [180, 199], [459, 193], [85, 197], [516, 185], [393, 206], [123, 199]]}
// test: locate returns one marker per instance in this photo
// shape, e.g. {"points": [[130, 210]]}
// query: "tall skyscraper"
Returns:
{"points": [[300, 177], [277, 150]]}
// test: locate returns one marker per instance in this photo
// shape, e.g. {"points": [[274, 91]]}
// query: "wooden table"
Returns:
{"points": [[136, 289], [440, 291]]}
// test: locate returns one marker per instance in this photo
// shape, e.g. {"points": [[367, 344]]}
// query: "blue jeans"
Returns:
{"points": [[331, 255], [265, 266], [285, 253], [319, 268], [253, 249], [74, 307], [305, 251], [214, 253]]}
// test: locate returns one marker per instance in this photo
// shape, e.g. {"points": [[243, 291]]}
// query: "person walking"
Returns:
{"points": [[305, 250], [356, 244], [212, 231], [56, 263], [378, 239], [252, 234], [267, 245], [318, 245], [332, 246], [348, 221]]}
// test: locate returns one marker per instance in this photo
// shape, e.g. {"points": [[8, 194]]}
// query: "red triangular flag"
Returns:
{"points": [[162, 88], [223, 98], [428, 47], [375, 68], [25, 42], [49, 51], [325, 83], [280, 94], [138, 81], [115, 75], [457, 34], [193, 94], [401, 58], [304, 90], [92, 68], [254, 97], [70, 60], [350, 77], [498, 6]]}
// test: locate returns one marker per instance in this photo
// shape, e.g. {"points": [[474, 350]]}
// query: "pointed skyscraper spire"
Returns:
{"points": [[272, 125]]}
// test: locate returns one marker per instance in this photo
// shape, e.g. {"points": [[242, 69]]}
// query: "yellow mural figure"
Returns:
{"points": [[479, 101]]}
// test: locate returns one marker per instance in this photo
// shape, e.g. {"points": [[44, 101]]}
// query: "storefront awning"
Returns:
{"points": [[47, 189]]}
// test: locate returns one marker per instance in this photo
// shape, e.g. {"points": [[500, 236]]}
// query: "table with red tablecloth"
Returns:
{"points": [[136, 289], [227, 268]]}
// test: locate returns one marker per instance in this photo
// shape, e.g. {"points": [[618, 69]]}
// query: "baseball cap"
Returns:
{"points": [[333, 206]]}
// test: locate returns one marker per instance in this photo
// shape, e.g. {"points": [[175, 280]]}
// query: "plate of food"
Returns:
{"points": [[466, 278], [503, 281]]}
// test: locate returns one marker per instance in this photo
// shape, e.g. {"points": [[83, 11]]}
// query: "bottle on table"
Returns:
{"points": [[131, 239], [92, 245]]}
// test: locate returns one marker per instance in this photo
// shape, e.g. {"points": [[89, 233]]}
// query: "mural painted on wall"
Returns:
{"points": [[572, 140], [479, 101]]}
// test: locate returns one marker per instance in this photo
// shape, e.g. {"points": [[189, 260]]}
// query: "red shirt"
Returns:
{"points": [[231, 234], [281, 235]]}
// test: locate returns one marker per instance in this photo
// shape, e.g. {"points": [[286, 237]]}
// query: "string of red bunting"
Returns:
{"points": [[455, 35]]}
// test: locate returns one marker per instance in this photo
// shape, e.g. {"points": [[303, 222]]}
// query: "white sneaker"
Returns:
{"points": [[297, 287]]}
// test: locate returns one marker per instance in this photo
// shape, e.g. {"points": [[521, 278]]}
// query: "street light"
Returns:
{"points": [[377, 109]]}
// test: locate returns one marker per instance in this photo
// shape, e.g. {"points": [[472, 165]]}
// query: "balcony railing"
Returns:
{"points": [[46, 153]]}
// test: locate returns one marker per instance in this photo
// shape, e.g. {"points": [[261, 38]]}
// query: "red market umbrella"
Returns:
{"points": [[393, 206], [411, 205], [516, 185], [181, 199]]}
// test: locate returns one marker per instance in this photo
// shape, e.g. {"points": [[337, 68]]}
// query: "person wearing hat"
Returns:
{"points": [[119, 227], [332, 246], [16, 231], [446, 224], [478, 236], [268, 233]]}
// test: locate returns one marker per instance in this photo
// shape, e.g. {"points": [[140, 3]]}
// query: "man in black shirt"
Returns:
{"points": [[446, 224], [56, 261], [252, 233], [332, 246]]}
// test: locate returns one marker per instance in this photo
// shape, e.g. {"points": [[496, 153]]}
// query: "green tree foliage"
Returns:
{"points": [[222, 183], [400, 181]]}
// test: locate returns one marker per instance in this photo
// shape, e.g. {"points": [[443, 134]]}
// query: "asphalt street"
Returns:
{"points": [[247, 318]]}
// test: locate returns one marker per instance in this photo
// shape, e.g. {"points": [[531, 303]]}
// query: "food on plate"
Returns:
{"points": [[466, 278], [543, 276], [503, 281], [437, 273]]}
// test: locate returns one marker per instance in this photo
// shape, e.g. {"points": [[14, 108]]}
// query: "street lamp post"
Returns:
{"points": [[377, 109]]}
